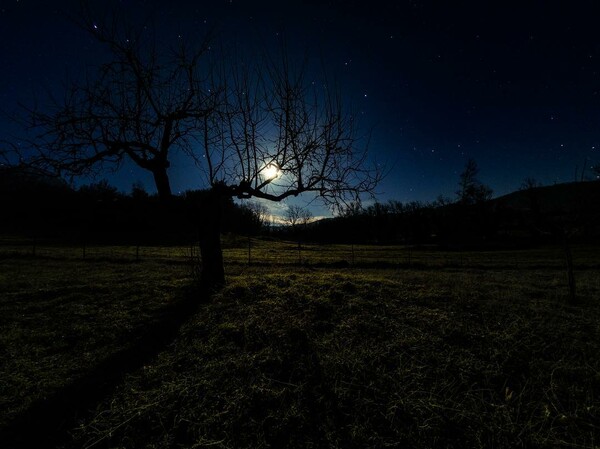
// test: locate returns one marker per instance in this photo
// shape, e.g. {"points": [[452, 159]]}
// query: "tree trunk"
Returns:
{"points": [[213, 272], [161, 179]]}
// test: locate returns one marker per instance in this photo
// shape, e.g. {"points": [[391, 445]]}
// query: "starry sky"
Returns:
{"points": [[513, 85]]}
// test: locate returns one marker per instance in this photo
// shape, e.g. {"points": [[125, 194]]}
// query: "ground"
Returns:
{"points": [[480, 351]]}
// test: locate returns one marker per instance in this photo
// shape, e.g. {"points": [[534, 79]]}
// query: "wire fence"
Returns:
{"points": [[264, 251], [45, 248], [257, 251]]}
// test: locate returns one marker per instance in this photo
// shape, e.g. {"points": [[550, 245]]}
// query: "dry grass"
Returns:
{"points": [[265, 251], [60, 318], [321, 357]]}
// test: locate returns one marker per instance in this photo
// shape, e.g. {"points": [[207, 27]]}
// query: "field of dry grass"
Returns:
{"points": [[481, 350]]}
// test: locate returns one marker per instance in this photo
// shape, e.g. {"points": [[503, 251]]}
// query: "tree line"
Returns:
{"points": [[46, 207], [531, 216]]}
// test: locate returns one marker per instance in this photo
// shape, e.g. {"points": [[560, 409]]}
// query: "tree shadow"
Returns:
{"points": [[46, 422]]}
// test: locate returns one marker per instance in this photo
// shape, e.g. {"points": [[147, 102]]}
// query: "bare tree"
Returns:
{"points": [[264, 129], [471, 190], [280, 134], [352, 209], [297, 216], [141, 105], [261, 212], [530, 183]]}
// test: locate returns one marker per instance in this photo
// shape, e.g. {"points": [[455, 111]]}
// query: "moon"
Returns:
{"points": [[271, 171]]}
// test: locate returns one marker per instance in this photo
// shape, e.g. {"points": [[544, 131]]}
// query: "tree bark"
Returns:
{"points": [[213, 272], [161, 179]]}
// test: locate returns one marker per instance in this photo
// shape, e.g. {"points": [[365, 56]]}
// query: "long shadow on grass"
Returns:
{"points": [[46, 422]]}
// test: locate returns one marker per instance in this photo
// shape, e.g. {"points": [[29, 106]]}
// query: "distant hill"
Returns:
{"points": [[549, 213], [567, 197], [522, 218]]}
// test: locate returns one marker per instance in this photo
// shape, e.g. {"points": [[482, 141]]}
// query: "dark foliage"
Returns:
{"points": [[41, 207], [38, 206]]}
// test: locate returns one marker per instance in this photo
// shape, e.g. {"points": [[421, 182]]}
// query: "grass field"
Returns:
{"points": [[442, 350], [265, 251]]}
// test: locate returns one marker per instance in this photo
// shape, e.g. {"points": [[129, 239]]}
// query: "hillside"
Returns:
{"points": [[568, 197], [524, 217]]}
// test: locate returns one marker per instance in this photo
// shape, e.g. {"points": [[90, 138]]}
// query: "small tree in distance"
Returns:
{"points": [[297, 217], [261, 213], [138, 192], [471, 189], [530, 183]]}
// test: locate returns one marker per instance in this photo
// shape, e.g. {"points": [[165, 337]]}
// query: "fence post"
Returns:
{"points": [[249, 251], [34, 247], [352, 247]]}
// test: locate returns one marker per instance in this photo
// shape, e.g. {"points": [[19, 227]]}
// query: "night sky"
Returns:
{"points": [[515, 86]]}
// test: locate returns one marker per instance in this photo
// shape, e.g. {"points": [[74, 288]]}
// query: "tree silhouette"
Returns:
{"points": [[263, 129], [261, 214], [141, 105], [280, 134], [297, 216], [471, 190]]}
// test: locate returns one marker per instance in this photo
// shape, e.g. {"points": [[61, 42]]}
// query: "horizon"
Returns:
{"points": [[277, 210]]}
